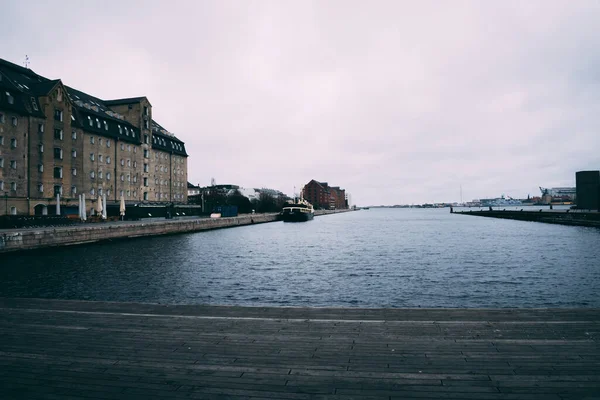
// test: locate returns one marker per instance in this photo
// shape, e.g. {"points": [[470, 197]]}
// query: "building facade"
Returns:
{"points": [[324, 197], [55, 139]]}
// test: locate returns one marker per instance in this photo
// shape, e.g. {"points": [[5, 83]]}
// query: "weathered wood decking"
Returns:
{"points": [[52, 349]]}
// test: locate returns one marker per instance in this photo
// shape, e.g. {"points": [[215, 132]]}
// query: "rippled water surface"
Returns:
{"points": [[369, 258]]}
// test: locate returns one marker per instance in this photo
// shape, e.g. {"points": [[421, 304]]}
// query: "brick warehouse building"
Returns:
{"points": [[56, 139], [323, 196]]}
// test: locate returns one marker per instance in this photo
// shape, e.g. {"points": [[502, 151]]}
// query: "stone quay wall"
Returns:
{"points": [[27, 239], [562, 217]]}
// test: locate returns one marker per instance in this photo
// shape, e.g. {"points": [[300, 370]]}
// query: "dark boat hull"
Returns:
{"points": [[296, 217]]}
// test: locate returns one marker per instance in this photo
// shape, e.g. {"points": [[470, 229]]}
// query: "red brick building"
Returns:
{"points": [[324, 197]]}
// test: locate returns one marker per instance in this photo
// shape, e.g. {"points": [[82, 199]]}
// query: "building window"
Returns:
{"points": [[145, 195], [128, 193], [13, 210], [146, 124], [128, 162], [146, 140], [99, 191], [129, 148], [58, 134], [74, 171], [1, 118], [145, 181], [146, 168], [134, 178], [120, 130], [121, 193], [92, 156], [92, 140], [1, 162], [122, 178], [135, 164], [58, 172], [74, 135], [128, 178], [92, 175], [162, 169], [13, 143], [74, 153], [105, 125], [13, 164], [15, 121], [13, 186], [100, 141], [134, 149], [122, 147], [108, 176], [40, 188], [92, 191], [100, 157], [108, 159], [58, 115], [41, 147], [1, 185], [90, 121], [58, 153], [73, 190], [98, 123], [40, 167], [41, 128], [122, 162], [108, 143], [146, 153], [100, 174], [146, 110], [10, 98], [1, 140], [57, 190]]}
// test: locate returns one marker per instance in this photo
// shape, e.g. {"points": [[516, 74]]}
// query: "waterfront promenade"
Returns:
{"points": [[562, 217], [58, 349]]}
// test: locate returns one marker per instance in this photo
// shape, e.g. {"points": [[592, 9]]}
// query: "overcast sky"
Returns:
{"points": [[398, 102]]}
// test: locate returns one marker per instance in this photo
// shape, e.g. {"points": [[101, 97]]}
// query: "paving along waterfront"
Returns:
{"points": [[374, 258]]}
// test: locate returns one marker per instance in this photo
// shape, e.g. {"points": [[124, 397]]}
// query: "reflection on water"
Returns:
{"points": [[374, 258]]}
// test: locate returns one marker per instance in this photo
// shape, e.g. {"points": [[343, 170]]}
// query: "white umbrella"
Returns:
{"points": [[122, 208], [99, 206], [104, 206], [57, 204], [83, 210]]}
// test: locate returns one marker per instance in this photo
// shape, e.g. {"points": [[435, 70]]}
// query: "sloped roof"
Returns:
{"points": [[130, 100]]}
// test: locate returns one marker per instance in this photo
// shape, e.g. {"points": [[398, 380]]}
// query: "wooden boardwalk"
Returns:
{"points": [[53, 349]]}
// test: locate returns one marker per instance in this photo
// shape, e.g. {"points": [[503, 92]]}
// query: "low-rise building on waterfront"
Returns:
{"points": [[57, 140]]}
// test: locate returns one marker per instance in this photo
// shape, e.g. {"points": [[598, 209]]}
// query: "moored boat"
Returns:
{"points": [[299, 211]]}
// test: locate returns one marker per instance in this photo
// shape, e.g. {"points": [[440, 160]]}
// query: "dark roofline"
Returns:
{"points": [[130, 100], [21, 69]]}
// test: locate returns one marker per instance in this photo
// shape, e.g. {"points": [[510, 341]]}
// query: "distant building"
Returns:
{"points": [[55, 139], [588, 190], [192, 190], [323, 196]]}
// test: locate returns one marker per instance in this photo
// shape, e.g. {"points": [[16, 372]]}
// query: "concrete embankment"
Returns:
{"points": [[36, 238], [562, 217], [27, 239]]}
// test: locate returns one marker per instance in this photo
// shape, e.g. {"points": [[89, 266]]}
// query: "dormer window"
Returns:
{"points": [[98, 123], [146, 111], [120, 130], [90, 121], [58, 115], [105, 125], [10, 98]]}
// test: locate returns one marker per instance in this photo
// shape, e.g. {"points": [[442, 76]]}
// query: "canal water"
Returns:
{"points": [[368, 258]]}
